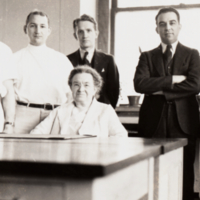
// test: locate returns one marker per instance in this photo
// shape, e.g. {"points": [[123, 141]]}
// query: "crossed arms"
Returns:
{"points": [[184, 83]]}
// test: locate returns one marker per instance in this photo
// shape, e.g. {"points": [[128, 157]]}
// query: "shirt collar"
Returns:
{"points": [[36, 49], [90, 54], [173, 49]]}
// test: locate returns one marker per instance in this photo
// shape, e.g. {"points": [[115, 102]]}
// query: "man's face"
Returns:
{"points": [[38, 30], [86, 34], [168, 27]]}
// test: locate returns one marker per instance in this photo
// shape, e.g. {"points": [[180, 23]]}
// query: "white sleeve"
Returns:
{"points": [[68, 70], [3, 90], [69, 64], [46, 126], [115, 126], [7, 65]]}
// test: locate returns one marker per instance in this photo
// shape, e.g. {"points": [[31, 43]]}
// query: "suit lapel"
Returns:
{"points": [[157, 61], [76, 58], [98, 61], [179, 56]]}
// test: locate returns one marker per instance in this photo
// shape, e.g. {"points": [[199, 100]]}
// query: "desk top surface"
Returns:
{"points": [[88, 157]]}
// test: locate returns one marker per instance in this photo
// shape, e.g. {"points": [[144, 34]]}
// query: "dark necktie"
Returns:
{"points": [[167, 58], [85, 60]]}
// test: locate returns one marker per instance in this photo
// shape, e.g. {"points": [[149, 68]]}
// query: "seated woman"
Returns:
{"points": [[83, 116]]}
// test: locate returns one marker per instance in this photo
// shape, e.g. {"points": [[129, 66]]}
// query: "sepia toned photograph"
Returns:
{"points": [[99, 100]]}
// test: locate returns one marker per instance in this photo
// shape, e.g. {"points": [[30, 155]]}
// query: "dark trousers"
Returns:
{"points": [[169, 128]]}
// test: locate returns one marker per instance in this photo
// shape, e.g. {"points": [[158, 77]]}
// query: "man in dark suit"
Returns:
{"points": [[169, 76], [86, 32]]}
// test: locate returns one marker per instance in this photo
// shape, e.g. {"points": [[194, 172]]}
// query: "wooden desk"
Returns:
{"points": [[89, 168]]}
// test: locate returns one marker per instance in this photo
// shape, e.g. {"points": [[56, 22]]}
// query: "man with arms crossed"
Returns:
{"points": [[7, 76], [43, 75], [86, 32], [169, 76]]}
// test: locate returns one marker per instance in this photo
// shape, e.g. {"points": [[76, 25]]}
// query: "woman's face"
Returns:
{"points": [[83, 89]]}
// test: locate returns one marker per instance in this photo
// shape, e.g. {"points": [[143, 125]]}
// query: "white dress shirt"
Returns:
{"points": [[173, 49], [43, 75], [89, 56]]}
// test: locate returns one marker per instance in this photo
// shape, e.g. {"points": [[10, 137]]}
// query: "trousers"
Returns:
{"points": [[27, 118]]}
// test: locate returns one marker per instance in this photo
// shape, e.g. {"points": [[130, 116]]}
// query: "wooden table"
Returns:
{"points": [[91, 168]]}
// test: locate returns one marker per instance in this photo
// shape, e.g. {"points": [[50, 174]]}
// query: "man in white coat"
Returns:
{"points": [[43, 74]]}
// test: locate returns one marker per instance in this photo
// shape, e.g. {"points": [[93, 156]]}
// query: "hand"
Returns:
{"points": [[8, 129], [158, 93], [178, 78]]}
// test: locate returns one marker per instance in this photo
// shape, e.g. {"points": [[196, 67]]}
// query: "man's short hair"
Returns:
{"points": [[37, 12], [85, 18], [166, 10]]}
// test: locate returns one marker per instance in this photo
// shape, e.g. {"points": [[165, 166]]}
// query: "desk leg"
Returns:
{"points": [[130, 183], [168, 176], [151, 179]]}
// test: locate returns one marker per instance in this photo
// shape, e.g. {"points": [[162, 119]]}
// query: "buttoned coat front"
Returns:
{"points": [[150, 77]]}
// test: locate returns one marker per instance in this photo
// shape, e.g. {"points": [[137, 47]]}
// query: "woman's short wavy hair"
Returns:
{"points": [[98, 82]]}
